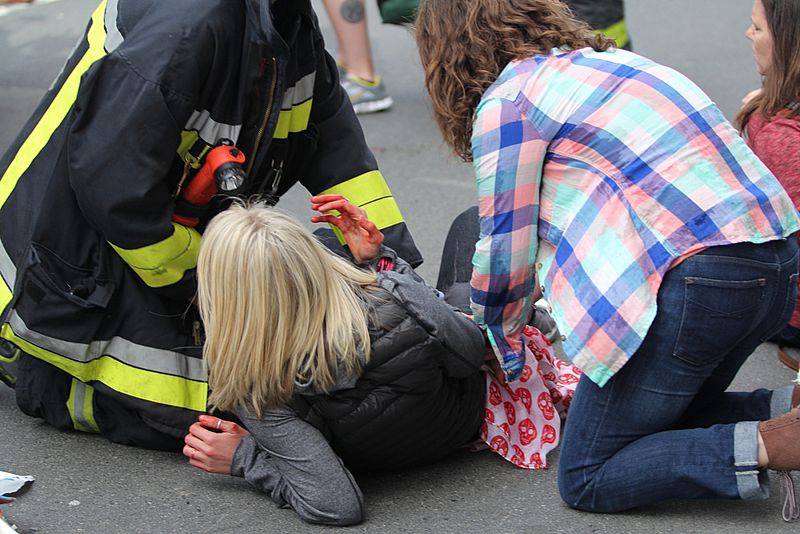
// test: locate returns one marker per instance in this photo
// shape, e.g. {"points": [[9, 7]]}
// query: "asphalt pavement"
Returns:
{"points": [[86, 484]]}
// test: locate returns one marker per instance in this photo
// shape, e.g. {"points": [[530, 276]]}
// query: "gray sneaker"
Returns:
{"points": [[366, 97]]}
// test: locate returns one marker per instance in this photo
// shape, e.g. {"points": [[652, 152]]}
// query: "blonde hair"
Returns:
{"points": [[278, 309]]}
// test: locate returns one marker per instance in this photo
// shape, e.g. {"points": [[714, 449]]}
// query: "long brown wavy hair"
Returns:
{"points": [[780, 86], [465, 44]]}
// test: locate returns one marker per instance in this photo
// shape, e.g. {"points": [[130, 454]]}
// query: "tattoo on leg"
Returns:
{"points": [[353, 11]]}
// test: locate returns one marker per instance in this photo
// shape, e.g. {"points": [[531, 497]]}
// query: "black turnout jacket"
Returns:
{"points": [[97, 279], [606, 16]]}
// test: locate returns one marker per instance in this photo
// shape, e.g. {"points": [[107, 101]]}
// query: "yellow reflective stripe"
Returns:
{"points": [[8, 276], [79, 405], [58, 109], [139, 383], [10, 359], [370, 192], [384, 212], [293, 120], [188, 139], [164, 262], [618, 32]]}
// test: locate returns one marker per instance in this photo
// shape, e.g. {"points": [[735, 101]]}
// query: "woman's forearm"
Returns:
{"points": [[291, 461]]}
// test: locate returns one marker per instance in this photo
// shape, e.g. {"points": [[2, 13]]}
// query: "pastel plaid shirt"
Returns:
{"points": [[599, 170]]}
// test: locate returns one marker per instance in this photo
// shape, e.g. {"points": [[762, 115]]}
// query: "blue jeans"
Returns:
{"points": [[664, 427]]}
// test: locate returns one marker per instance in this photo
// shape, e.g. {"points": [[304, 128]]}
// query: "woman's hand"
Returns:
{"points": [[212, 450], [361, 235], [490, 360]]}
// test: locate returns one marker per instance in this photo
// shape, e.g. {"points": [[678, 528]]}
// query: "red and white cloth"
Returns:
{"points": [[522, 421]]}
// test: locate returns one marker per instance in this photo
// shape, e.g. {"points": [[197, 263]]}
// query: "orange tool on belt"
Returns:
{"points": [[222, 172]]}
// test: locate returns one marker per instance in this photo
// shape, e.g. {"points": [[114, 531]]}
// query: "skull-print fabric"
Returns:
{"points": [[522, 420]]}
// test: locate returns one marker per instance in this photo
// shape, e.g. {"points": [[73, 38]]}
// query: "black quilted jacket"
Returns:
{"points": [[421, 394]]}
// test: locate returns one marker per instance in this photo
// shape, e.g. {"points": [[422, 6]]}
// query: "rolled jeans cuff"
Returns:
{"points": [[751, 481], [781, 401]]}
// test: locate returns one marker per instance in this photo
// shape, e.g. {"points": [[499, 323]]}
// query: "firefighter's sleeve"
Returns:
{"points": [[121, 146], [343, 164]]}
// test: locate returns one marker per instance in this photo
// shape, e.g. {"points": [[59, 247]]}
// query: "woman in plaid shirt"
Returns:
{"points": [[659, 238]]}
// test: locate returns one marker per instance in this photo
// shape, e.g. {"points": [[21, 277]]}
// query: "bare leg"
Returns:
{"points": [[763, 458], [353, 49]]}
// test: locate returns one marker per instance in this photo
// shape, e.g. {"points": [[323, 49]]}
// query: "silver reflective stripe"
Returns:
{"points": [[113, 35], [80, 41], [148, 358], [78, 413], [210, 130], [7, 268], [299, 92]]}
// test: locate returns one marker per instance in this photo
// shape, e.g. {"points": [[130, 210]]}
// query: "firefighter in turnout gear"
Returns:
{"points": [[99, 332], [605, 16]]}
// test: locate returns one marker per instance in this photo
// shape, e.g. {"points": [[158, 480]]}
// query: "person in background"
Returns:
{"points": [[770, 118], [359, 78], [98, 242], [336, 365], [664, 246], [604, 16]]}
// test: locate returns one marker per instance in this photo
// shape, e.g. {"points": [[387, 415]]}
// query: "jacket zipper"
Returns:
{"points": [[267, 112]]}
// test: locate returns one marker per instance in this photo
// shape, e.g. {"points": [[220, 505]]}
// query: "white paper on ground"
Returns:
{"points": [[10, 483]]}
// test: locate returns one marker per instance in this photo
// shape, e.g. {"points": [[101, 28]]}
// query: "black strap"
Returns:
{"points": [[188, 209]]}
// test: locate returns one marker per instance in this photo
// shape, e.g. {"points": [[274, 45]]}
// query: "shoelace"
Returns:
{"points": [[790, 508]]}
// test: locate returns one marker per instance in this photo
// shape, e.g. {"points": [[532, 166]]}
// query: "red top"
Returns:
{"points": [[777, 144]]}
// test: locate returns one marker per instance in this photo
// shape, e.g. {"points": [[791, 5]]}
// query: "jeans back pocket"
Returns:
{"points": [[716, 315]]}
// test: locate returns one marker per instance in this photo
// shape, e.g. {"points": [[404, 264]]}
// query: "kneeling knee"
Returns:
{"points": [[577, 493]]}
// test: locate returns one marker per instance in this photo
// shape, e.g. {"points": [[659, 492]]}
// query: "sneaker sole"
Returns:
{"points": [[788, 361], [373, 106]]}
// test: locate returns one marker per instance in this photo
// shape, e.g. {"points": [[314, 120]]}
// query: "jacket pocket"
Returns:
{"points": [[53, 294], [77, 285]]}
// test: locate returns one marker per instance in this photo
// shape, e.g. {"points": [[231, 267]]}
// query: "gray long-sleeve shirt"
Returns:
{"points": [[293, 463]]}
